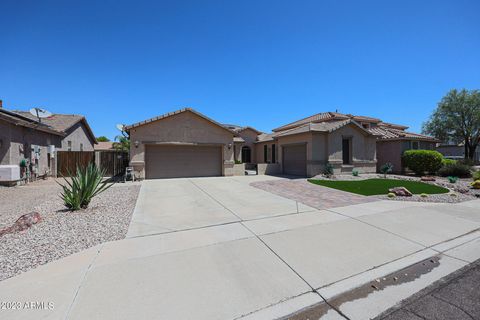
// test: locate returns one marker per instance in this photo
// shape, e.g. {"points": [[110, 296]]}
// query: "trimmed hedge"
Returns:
{"points": [[422, 161], [448, 162]]}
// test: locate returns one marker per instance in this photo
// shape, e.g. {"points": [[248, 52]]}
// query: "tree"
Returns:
{"points": [[103, 139], [122, 143], [457, 119]]}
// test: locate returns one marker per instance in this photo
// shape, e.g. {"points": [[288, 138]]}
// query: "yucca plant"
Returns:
{"points": [[84, 185]]}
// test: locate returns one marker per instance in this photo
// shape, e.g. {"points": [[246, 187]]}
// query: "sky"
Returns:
{"points": [[257, 63]]}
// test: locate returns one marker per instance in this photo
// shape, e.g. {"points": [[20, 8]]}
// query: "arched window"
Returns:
{"points": [[246, 154]]}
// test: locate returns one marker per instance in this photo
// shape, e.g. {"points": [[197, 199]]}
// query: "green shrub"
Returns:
{"points": [[452, 179], [475, 184], [386, 168], [391, 195], [456, 170], [448, 162], [238, 162], [476, 175], [355, 172], [424, 195], [422, 161], [328, 170], [85, 185]]}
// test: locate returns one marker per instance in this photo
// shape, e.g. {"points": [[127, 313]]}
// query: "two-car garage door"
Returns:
{"points": [[175, 161]]}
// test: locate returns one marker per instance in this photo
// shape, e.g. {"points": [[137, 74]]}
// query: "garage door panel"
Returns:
{"points": [[295, 160], [183, 161]]}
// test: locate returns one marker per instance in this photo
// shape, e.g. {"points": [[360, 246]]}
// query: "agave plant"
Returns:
{"points": [[86, 184]]}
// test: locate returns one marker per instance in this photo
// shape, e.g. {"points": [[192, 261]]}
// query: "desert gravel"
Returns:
{"points": [[61, 232]]}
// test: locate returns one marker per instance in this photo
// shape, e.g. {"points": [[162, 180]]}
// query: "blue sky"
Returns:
{"points": [[258, 63]]}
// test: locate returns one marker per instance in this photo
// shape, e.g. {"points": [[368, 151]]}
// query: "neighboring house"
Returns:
{"points": [[456, 152], [186, 143], [24, 138], [78, 134], [104, 146]]}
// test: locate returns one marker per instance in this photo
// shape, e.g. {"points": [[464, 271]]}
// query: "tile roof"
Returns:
{"points": [[323, 116], [60, 122], [21, 120], [104, 145], [328, 127], [390, 133]]}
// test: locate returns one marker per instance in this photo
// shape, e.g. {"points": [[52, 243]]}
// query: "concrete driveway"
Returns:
{"points": [[217, 248]]}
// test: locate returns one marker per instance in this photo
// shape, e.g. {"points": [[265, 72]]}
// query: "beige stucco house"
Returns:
{"points": [[186, 143], [23, 136]]}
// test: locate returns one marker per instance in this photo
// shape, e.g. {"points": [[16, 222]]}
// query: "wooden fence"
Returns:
{"points": [[113, 162], [69, 161]]}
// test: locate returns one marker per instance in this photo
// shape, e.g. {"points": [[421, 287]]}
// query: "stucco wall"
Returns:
{"points": [[17, 141], [250, 137], [390, 151], [77, 134], [185, 127]]}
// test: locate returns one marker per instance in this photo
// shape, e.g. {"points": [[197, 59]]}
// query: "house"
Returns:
{"points": [[78, 134], [186, 143], [24, 136]]}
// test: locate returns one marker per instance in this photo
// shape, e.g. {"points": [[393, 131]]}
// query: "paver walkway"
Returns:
{"points": [[313, 195]]}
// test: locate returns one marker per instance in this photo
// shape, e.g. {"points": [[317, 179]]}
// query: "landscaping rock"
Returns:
{"points": [[400, 191], [427, 178], [22, 223]]}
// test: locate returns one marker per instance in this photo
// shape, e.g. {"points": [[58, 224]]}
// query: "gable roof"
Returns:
{"points": [[61, 122], [326, 127], [23, 121], [167, 115]]}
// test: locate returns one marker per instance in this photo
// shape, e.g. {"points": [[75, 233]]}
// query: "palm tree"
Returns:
{"points": [[122, 143]]}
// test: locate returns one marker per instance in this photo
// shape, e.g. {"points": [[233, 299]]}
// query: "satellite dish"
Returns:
{"points": [[40, 113], [121, 127]]}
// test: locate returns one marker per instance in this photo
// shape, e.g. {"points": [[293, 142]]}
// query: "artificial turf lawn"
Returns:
{"points": [[372, 187]]}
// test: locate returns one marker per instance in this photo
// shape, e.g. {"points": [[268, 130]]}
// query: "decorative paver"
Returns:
{"points": [[310, 194]]}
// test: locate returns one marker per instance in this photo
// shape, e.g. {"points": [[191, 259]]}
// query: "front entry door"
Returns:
{"points": [[346, 151]]}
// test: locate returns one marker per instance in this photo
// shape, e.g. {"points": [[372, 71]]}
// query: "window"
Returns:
{"points": [[265, 153], [415, 145], [69, 144], [274, 154], [366, 125], [81, 146]]}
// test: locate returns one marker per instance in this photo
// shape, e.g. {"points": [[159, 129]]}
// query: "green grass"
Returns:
{"points": [[372, 187]]}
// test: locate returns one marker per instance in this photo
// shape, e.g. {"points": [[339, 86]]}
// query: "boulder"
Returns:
{"points": [[400, 191], [427, 178], [22, 223]]}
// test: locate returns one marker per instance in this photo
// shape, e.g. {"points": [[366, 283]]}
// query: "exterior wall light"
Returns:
{"points": [[229, 146], [136, 143]]}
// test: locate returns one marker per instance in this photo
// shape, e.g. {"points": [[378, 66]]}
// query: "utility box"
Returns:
{"points": [[9, 174]]}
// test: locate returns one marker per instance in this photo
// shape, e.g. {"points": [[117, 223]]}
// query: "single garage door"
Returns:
{"points": [[182, 161], [295, 159]]}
